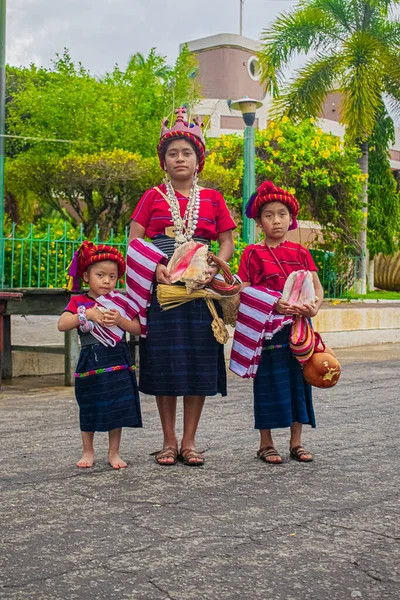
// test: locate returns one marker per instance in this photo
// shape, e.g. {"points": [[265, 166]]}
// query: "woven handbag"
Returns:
{"points": [[302, 339]]}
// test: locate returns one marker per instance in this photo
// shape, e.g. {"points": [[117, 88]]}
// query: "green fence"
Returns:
{"points": [[40, 258]]}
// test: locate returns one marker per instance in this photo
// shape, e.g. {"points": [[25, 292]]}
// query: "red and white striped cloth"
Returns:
{"points": [[129, 309], [141, 263], [257, 320]]}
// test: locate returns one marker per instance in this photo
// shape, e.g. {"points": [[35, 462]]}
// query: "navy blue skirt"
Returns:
{"points": [[107, 400], [281, 395], [180, 356]]}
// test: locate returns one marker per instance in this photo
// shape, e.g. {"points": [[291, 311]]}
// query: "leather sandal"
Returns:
{"points": [[188, 454], [266, 453], [298, 452], [166, 453]]}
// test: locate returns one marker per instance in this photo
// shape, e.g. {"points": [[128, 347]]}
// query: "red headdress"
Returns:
{"points": [[88, 254], [268, 192], [186, 131]]}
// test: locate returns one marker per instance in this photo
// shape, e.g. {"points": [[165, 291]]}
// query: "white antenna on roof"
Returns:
{"points": [[241, 17]]}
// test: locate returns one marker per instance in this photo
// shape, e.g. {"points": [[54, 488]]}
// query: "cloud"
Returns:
{"points": [[100, 33]]}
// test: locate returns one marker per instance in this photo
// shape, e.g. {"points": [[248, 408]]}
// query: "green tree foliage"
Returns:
{"points": [[89, 117], [317, 167], [383, 194], [354, 48]]}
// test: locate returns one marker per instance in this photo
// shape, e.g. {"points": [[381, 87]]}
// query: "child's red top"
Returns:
{"points": [[262, 265]]}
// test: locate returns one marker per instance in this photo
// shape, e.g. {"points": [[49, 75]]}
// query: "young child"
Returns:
{"points": [[105, 382], [282, 398]]}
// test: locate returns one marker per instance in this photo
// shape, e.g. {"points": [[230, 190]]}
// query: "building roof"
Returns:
{"points": [[222, 39]]}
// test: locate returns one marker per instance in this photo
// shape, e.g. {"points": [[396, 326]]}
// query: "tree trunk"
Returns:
{"points": [[362, 280], [371, 275]]}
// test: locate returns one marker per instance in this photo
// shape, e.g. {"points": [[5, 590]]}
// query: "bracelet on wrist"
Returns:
{"points": [[84, 324]]}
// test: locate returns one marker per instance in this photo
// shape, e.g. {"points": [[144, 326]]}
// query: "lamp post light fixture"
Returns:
{"points": [[248, 107]]}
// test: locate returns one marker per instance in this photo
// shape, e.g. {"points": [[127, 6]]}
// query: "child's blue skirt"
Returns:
{"points": [[109, 399], [281, 395]]}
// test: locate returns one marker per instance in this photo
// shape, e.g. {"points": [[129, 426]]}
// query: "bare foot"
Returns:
{"points": [[116, 461], [86, 461]]}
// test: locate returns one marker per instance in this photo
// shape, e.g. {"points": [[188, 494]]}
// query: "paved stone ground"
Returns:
{"points": [[235, 529]]}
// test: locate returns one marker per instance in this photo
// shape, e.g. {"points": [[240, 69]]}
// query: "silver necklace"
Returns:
{"points": [[185, 226]]}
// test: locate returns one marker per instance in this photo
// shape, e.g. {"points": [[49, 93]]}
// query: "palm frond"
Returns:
{"points": [[341, 12], [293, 32], [305, 96], [387, 32], [362, 85], [391, 82], [381, 6]]}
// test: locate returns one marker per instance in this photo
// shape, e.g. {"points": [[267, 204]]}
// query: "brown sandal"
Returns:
{"points": [[298, 452], [268, 451], [166, 453], [188, 454]]}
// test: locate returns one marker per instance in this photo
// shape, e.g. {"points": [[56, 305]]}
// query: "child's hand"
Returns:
{"points": [[162, 275], [306, 310], [113, 317], [284, 308], [94, 314]]}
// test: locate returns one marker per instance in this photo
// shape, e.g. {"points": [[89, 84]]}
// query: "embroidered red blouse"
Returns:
{"points": [[81, 300], [262, 265], [152, 212]]}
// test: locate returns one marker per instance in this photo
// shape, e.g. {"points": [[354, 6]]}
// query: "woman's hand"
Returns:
{"points": [[211, 272], [162, 275], [94, 314]]}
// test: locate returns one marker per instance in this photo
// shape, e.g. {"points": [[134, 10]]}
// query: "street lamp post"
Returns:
{"points": [[2, 128], [248, 107]]}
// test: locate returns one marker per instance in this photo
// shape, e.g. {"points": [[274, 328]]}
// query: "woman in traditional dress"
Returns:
{"points": [[180, 356]]}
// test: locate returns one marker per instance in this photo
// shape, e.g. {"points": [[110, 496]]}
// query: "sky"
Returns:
{"points": [[101, 33]]}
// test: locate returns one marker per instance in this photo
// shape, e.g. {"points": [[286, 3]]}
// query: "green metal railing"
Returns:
{"points": [[338, 275], [39, 258]]}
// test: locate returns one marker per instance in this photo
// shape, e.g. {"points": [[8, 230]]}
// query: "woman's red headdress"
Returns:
{"points": [[185, 131]]}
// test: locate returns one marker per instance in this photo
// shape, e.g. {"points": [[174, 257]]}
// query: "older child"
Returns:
{"points": [[105, 382], [281, 396]]}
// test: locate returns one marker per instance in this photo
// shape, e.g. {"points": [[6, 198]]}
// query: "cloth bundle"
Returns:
{"points": [[110, 336], [141, 263], [257, 320]]}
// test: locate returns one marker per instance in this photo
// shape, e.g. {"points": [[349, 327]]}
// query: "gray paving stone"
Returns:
{"points": [[235, 529]]}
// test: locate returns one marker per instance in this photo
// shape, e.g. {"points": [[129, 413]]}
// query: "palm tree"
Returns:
{"points": [[355, 49], [155, 62]]}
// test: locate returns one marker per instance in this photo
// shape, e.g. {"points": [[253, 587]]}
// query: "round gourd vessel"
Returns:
{"points": [[322, 370]]}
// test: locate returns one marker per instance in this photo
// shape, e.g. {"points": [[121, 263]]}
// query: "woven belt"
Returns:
{"points": [[275, 346]]}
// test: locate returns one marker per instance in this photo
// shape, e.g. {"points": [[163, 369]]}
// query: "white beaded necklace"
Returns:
{"points": [[185, 226]]}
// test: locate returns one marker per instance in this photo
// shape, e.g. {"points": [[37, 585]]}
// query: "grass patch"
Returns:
{"points": [[375, 295]]}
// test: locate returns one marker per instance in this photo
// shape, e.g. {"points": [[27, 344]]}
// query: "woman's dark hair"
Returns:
{"points": [[174, 139]]}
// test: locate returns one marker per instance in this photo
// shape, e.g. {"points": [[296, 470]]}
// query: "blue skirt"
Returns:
{"points": [[281, 395], [180, 356], [107, 400]]}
